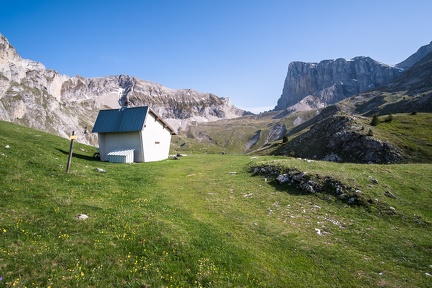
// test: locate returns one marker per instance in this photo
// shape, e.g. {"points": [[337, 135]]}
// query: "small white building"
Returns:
{"points": [[138, 128]]}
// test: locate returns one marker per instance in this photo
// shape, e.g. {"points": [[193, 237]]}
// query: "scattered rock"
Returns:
{"points": [[335, 222], [299, 176], [82, 216], [332, 157], [351, 200], [283, 178], [390, 194], [372, 201], [318, 231], [100, 170], [308, 186], [7, 146]]}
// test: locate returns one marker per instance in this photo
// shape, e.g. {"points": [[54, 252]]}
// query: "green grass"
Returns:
{"points": [[411, 133], [196, 223]]}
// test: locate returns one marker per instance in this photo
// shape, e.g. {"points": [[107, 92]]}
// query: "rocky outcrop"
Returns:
{"points": [[46, 100], [253, 140], [341, 139], [330, 81], [327, 188], [277, 132], [312, 183]]}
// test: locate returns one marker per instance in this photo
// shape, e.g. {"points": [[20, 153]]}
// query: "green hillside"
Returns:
{"points": [[232, 135], [408, 133], [204, 221], [411, 132]]}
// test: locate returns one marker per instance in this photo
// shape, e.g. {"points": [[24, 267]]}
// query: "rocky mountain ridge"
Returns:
{"points": [[46, 100], [310, 86], [414, 58]]}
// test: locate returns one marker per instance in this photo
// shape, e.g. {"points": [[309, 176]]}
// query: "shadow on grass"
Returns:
{"points": [[79, 156]]}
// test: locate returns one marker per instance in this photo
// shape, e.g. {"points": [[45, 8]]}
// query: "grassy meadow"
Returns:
{"points": [[203, 221]]}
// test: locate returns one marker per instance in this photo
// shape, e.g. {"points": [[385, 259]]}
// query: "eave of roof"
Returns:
{"points": [[165, 124]]}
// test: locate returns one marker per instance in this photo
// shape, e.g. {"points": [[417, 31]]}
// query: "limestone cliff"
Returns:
{"points": [[330, 81]]}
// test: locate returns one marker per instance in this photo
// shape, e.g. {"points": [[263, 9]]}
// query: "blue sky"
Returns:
{"points": [[232, 48]]}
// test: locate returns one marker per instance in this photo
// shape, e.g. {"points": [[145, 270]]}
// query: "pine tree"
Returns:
{"points": [[375, 120]]}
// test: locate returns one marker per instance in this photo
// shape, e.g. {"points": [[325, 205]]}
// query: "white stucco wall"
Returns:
{"points": [[156, 139], [109, 142]]}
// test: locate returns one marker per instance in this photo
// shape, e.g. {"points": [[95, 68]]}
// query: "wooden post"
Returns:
{"points": [[70, 151]]}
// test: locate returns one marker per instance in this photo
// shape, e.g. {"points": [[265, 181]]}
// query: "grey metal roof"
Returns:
{"points": [[123, 120]]}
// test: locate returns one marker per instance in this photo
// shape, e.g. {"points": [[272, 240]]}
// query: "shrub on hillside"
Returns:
{"points": [[389, 118], [375, 120]]}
